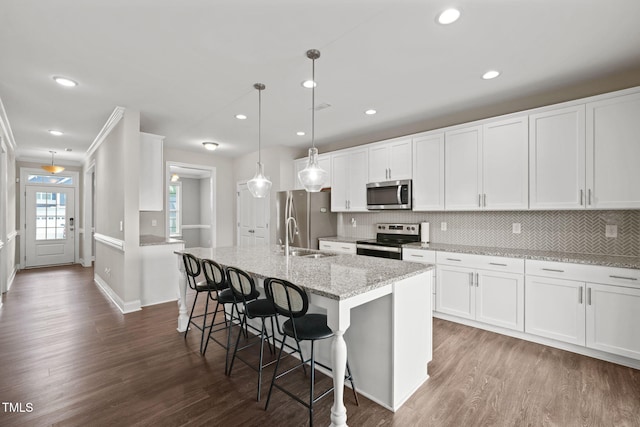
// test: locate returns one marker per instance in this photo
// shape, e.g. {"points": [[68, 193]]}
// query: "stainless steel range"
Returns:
{"points": [[389, 241]]}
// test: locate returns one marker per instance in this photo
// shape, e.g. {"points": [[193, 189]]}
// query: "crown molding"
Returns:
{"points": [[6, 127], [112, 121]]}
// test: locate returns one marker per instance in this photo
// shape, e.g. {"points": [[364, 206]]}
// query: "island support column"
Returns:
{"points": [[183, 314], [338, 319]]}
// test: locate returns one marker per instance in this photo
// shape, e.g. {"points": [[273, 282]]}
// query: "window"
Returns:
{"points": [[50, 179], [175, 209], [50, 215]]}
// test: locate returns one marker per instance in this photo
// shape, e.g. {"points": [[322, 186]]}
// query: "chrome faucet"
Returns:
{"points": [[286, 238]]}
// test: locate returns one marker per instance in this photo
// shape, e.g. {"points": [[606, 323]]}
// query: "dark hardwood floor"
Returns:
{"points": [[66, 350]]}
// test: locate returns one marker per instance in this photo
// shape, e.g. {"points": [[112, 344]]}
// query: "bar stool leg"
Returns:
{"points": [[191, 315], [313, 380]]}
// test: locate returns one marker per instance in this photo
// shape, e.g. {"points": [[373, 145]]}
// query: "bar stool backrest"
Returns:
{"points": [[241, 283], [214, 273], [192, 269], [289, 300]]}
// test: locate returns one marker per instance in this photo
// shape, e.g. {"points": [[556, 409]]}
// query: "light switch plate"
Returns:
{"points": [[154, 222], [443, 226], [516, 228], [611, 230]]}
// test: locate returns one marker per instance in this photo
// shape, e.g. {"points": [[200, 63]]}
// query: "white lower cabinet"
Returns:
{"points": [[423, 256], [492, 294], [339, 247], [601, 316]]}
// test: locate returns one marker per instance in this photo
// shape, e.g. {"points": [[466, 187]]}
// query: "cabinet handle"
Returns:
{"points": [[389, 173], [497, 263], [484, 200], [479, 200], [477, 280], [417, 256], [588, 296], [345, 247], [622, 277], [581, 197], [580, 295], [470, 279], [554, 270], [453, 259], [589, 197]]}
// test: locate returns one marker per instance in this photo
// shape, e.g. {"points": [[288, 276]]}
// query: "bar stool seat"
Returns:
{"points": [[310, 327]]}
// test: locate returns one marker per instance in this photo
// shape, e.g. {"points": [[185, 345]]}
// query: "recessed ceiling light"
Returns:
{"points": [[68, 149], [300, 133], [63, 81], [449, 16], [492, 74], [370, 112], [55, 132], [210, 145], [241, 117], [309, 84]]}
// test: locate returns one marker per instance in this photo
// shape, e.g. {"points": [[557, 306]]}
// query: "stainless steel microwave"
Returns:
{"points": [[389, 195]]}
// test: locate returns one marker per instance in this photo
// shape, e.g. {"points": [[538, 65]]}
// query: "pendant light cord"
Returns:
{"points": [[313, 102], [259, 125]]}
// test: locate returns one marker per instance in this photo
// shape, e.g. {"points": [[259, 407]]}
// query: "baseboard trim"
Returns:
{"points": [[124, 307]]}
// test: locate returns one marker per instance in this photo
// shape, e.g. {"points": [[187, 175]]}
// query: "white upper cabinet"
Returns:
{"points": [[486, 166], [428, 172], [349, 180], [505, 177], [463, 170], [151, 173], [390, 160], [557, 159], [324, 160], [613, 153]]}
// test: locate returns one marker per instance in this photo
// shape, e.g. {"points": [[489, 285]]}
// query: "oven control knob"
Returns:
{"points": [[381, 227]]}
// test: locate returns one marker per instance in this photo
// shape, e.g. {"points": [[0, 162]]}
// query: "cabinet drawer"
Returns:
{"points": [[584, 273], [419, 255], [342, 247], [494, 263]]}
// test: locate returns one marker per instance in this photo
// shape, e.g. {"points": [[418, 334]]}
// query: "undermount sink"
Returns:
{"points": [[303, 253]]}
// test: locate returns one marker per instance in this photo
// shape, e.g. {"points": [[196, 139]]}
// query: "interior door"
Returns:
{"points": [[253, 218], [50, 226]]}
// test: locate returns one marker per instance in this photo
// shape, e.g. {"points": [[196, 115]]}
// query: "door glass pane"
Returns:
{"points": [[50, 215], [50, 179]]}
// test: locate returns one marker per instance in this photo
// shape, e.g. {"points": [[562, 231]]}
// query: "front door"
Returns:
{"points": [[50, 228]]}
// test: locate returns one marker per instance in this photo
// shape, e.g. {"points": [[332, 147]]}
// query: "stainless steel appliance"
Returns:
{"points": [[389, 240], [313, 217], [389, 195]]}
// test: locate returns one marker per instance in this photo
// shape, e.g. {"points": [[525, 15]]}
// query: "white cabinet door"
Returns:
{"points": [[554, 308], [339, 182], [613, 153], [340, 247], [613, 316], [463, 169], [379, 163], [500, 299], [428, 172], [505, 161], [358, 178], [455, 291], [400, 159], [557, 159]]}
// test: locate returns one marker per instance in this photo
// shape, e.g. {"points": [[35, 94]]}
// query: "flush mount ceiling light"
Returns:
{"points": [[55, 132], [309, 84], [370, 112], [259, 185], [52, 168], [492, 74], [63, 81], [313, 176], [449, 16], [211, 146], [241, 117]]}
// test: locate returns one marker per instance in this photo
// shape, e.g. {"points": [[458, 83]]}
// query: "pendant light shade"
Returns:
{"points": [[259, 186], [313, 177], [52, 168]]}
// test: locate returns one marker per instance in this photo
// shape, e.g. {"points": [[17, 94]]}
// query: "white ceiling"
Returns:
{"points": [[189, 66]]}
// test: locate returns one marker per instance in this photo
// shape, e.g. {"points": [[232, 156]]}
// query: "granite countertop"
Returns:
{"points": [[336, 276], [341, 239], [149, 240], [603, 260]]}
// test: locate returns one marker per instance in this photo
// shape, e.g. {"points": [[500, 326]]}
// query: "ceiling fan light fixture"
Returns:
{"points": [[259, 186], [54, 169], [313, 176]]}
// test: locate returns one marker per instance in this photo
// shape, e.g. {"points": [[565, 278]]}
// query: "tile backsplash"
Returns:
{"points": [[565, 231]]}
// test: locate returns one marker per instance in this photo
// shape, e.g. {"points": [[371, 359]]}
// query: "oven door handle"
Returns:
{"points": [[379, 248]]}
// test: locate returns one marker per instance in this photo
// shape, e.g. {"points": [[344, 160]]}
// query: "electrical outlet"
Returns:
{"points": [[516, 228], [611, 230], [443, 226], [154, 222]]}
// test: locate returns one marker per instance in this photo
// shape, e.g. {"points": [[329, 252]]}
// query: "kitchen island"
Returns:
{"points": [[385, 304]]}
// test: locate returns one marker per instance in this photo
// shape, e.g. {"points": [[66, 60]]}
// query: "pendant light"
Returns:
{"points": [[259, 185], [52, 168], [313, 176]]}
